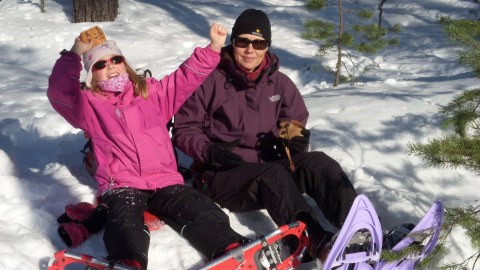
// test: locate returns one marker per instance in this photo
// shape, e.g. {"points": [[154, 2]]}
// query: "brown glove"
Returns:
{"points": [[294, 138], [290, 129]]}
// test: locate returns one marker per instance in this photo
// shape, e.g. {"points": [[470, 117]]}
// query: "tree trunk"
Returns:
{"points": [[338, 67], [380, 13], [95, 10]]}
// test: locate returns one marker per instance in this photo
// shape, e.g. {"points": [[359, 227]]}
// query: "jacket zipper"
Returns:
{"points": [[110, 185]]}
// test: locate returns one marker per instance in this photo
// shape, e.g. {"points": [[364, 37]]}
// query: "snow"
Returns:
{"points": [[365, 126]]}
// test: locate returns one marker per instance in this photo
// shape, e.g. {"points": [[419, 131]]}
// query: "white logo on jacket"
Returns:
{"points": [[274, 98]]}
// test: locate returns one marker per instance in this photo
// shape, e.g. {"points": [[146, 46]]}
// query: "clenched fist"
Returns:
{"points": [[218, 35]]}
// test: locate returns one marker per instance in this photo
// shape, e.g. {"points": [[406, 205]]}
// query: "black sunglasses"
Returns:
{"points": [[117, 59], [257, 44]]}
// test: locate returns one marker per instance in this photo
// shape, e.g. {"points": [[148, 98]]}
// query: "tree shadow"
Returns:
{"points": [[397, 184], [198, 24], [67, 7]]}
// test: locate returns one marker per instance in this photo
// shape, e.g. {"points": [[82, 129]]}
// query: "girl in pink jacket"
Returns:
{"points": [[126, 117]]}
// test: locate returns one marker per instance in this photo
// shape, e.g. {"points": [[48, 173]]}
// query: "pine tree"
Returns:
{"points": [[467, 34], [462, 148], [364, 36]]}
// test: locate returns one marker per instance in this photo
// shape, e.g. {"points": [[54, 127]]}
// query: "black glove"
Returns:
{"points": [[221, 155], [296, 144]]}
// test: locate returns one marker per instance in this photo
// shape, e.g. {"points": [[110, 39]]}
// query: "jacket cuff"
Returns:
{"points": [[70, 54], [211, 51]]}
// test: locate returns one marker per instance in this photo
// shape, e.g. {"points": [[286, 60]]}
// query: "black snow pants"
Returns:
{"points": [[273, 187], [192, 214], [323, 179]]}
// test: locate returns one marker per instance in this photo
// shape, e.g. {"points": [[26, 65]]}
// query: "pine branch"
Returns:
{"points": [[366, 37], [449, 152], [464, 264], [391, 256], [467, 218], [463, 147], [313, 5]]}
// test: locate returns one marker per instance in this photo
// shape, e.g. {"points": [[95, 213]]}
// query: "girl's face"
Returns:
{"points": [[244, 52], [108, 67]]}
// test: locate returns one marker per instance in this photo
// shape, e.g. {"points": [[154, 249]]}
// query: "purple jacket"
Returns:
{"points": [[131, 143], [229, 106]]}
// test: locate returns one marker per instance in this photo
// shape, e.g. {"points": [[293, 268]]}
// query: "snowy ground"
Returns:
{"points": [[365, 127]]}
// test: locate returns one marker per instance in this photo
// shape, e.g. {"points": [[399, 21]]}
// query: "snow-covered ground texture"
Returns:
{"points": [[365, 126]]}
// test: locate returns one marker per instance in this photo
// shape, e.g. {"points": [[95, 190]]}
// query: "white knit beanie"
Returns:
{"points": [[94, 54]]}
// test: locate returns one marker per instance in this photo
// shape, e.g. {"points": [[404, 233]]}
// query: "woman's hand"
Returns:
{"points": [[218, 35], [80, 47]]}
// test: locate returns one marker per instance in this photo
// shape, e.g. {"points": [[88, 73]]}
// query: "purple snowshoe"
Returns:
{"points": [[426, 233], [362, 222]]}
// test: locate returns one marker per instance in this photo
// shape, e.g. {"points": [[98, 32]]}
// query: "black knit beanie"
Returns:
{"points": [[255, 22]]}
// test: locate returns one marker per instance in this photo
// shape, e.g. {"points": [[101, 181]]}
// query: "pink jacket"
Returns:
{"points": [[131, 143]]}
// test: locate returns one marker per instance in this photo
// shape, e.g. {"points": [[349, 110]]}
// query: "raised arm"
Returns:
{"points": [[175, 88], [64, 90]]}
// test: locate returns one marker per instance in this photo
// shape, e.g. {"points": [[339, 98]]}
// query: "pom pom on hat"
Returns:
{"points": [[255, 22], [94, 54]]}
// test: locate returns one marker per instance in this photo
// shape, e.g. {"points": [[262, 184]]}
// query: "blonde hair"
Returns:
{"points": [[139, 83]]}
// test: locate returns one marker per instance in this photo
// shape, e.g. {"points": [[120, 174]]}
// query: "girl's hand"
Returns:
{"points": [[80, 47], [218, 35]]}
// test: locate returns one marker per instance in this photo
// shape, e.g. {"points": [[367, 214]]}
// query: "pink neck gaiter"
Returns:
{"points": [[115, 84]]}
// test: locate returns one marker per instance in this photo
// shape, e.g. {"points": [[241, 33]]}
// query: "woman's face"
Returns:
{"points": [[108, 66], [248, 57]]}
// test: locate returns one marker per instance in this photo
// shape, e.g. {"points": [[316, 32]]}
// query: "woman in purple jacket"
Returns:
{"points": [[230, 128], [126, 117]]}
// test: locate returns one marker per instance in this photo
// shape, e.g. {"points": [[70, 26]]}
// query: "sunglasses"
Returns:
{"points": [[257, 44], [117, 59]]}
